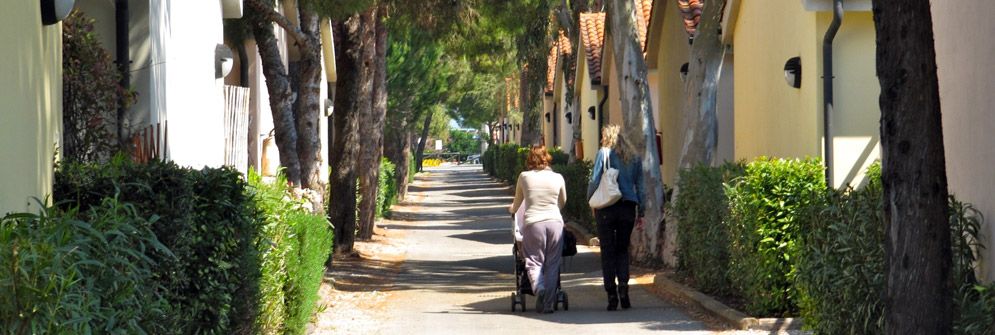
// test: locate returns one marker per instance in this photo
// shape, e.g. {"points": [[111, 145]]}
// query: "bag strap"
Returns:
{"points": [[604, 159]]}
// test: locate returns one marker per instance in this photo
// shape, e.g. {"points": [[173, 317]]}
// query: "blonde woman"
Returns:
{"points": [[545, 193], [615, 222]]}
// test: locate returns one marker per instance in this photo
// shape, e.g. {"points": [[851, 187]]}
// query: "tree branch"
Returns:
{"points": [[272, 15]]}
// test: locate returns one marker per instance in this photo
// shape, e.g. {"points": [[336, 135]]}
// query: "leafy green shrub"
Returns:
{"points": [[206, 218], [559, 157], [63, 275], [296, 245], [975, 306], [766, 204], [702, 213], [387, 187], [576, 175], [841, 269]]}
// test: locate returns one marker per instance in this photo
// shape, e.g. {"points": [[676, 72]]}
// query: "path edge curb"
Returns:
{"points": [[729, 315]]}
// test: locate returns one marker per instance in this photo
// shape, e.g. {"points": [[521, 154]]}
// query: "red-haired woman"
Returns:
{"points": [[545, 193]]}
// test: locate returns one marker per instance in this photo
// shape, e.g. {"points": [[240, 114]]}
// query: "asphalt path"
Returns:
{"points": [[459, 271]]}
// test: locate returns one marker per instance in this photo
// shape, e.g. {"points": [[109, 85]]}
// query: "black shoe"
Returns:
{"points": [[612, 302], [540, 302], [623, 296]]}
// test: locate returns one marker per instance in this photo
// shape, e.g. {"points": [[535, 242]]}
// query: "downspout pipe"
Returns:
{"points": [[601, 111], [121, 23], [827, 86]]}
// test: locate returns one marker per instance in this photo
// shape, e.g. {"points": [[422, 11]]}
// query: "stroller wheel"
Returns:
{"points": [[561, 298]]}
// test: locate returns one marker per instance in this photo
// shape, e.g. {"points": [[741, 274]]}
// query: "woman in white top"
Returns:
{"points": [[545, 193]]}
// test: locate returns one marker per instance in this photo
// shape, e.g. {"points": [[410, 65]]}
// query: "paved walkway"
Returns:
{"points": [[458, 274]]}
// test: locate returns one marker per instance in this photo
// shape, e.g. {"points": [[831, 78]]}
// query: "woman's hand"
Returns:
{"points": [[639, 223]]}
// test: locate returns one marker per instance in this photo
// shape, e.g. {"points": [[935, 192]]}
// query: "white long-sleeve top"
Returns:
{"points": [[544, 191]]}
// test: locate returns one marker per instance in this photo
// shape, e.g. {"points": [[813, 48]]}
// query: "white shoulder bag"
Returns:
{"points": [[607, 193]]}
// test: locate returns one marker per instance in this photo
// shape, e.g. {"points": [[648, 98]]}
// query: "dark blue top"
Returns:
{"points": [[630, 177]]}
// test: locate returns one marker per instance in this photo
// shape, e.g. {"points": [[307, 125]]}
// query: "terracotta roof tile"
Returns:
{"points": [[551, 67], [592, 36], [691, 11], [569, 56], [644, 12]]}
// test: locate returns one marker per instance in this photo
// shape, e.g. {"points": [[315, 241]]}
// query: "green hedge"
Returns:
{"points": [[206, 218], [576, 175], [765, 207], [295, 246], [702, 212], [386, 187], [798, 248], [62, 275], [842, 264], [236, 258]]}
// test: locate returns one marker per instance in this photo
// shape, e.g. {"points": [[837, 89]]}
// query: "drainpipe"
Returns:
{"points": [[121, 24], [827, 86], [601, 112]]}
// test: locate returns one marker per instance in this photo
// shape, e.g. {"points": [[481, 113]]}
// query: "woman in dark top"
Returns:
{"points": [[615, 222]]}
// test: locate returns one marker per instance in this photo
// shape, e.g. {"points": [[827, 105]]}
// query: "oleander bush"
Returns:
{"points": [[841, 271], [702, 213], [63, 275]]}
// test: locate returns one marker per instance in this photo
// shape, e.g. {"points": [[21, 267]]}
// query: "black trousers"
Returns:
{"points": [[615, 224]]}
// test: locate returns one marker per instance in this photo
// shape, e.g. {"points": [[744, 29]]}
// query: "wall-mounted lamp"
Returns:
{"points": [[53, 11], [590, 112], [684, 72], [793, 72], [570, 117], [223, 61], [547, 118]]}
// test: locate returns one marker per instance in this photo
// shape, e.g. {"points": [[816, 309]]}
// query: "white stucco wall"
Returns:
{"points": [[31, 96], [194, 98], [964, 49]]}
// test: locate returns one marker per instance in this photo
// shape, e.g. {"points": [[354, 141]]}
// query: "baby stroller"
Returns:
{"points": [[523, 286]]}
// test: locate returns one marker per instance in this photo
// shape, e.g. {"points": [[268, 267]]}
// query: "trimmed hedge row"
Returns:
{"points": [[778, 240], [387, 187], [155, 248], [702, 213], [765, 208]]}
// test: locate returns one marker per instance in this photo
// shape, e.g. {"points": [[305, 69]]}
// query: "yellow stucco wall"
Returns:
{"points": [[613, 106], [31, 96], [547, 127], [967, 94], [774, 119], [673, 51], [587, 97]]}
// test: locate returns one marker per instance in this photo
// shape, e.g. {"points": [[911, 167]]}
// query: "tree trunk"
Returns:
{"points": [[308, 111], [918, 291], [280, 95], [700, 120], [531, 100], [355, 44], [568, 19], [420, 151], [639, 127], [701, 124], [373, 148]]}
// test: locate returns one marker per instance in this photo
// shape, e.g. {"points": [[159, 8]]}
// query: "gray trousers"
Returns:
{"points": [[542, 245]]}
